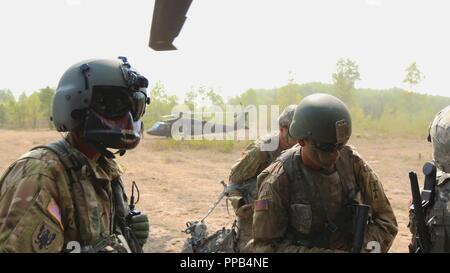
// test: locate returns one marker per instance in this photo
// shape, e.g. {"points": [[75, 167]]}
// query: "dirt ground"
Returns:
{"points": [[179, 185]]}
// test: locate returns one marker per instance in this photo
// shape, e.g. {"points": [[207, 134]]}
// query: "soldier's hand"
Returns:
{"points": [[140, 226]]}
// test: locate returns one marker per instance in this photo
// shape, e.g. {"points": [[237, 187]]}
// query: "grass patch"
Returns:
{"points": [[222, 146]]}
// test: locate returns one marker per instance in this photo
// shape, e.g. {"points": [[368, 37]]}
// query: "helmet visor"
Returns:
{"points": [[111, 101], [114, 101], [139, 101]]}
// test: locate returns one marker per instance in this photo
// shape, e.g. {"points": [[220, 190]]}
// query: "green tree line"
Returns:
{"points": [[391, 111], [31, 111], [394, 111]]}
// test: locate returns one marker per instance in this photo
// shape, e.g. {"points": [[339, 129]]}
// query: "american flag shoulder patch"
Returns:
{"points": [[261, 205], [54, 211]]}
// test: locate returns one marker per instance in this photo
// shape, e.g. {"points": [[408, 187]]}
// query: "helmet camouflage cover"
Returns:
{"points": [[440, 139], [285, 118]]}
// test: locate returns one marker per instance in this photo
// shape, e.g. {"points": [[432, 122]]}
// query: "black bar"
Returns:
{"points": [[422, 234], [359, 228]]}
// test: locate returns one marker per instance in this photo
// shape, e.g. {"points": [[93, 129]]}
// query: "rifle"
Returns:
{"points": [[421, 201], [198, 229], [361, 213], [246, 187], [422, 232]]}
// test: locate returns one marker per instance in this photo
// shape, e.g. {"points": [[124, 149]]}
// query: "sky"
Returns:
{"points": [[230, 45]]}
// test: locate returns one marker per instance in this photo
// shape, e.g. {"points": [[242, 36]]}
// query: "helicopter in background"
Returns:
{"points": [[187, 125]]}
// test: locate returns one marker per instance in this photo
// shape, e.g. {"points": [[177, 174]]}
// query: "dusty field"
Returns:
{"points": [[178, 185]]}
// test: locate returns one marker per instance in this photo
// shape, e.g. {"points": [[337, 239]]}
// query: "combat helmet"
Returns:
{"points": [[104, 99], [440, 139], [285, 118], [324, 119]]}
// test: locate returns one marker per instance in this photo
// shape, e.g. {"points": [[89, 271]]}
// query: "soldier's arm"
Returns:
{"points": [[383, 225], [248, 166], [30, 219], [270, 218]]}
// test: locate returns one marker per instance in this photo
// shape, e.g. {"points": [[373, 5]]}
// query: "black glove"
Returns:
{"points": [[140, 226]]}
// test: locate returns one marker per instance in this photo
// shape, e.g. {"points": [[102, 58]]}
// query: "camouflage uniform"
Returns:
{"points": [[37, 212], [436, 217], [252, 162], [296, 214], [437, 214]]}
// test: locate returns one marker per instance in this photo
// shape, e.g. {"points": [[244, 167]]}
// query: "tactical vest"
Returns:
{"points": [[77, 170], [438, 217], [309, 222]]}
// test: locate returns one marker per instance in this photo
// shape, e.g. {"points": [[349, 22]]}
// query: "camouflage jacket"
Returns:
{"points": [[36, 208], [284, 210], [252, 162]]}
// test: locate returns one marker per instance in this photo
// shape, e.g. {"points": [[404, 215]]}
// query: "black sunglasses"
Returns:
{"points": [[328, 147]]}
